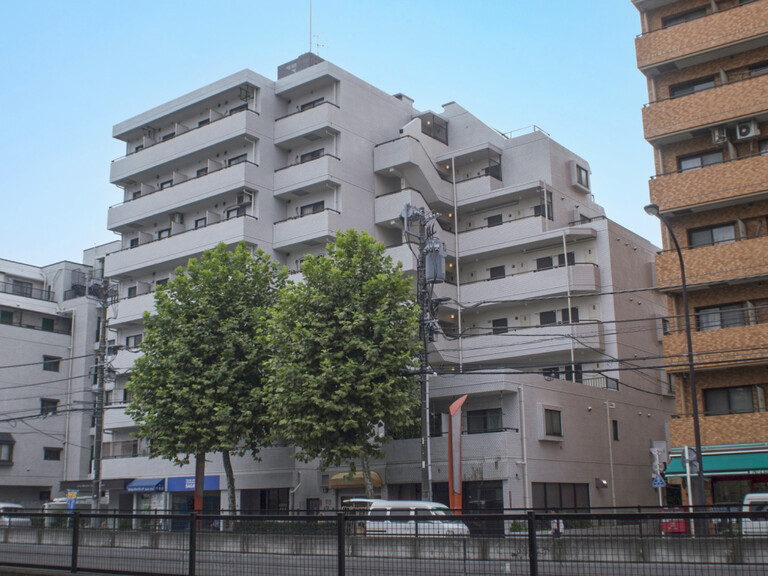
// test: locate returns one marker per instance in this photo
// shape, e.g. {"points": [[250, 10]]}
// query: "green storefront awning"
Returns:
{"points": [[733, 463]]}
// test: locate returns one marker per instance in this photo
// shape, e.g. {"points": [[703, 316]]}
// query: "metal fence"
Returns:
{"points": [[346, 544]]}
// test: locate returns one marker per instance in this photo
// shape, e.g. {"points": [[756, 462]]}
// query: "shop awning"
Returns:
{"points": [[146, 485], [728, 463], [356, 480]]}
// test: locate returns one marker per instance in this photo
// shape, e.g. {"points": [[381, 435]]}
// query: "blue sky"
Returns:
{"points": [[71, 70]]}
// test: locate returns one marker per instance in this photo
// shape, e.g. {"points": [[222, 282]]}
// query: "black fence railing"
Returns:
{"points": [[345, 543]]}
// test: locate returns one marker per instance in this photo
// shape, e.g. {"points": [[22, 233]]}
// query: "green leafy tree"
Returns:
{"points": [[342, 341], [199, 385]]}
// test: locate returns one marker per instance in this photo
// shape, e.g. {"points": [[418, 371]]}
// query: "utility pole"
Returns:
{"points": [[430, 270], [104, 293]]}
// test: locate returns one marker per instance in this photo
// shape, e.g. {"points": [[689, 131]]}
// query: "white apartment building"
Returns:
{"points": [[543, 325], [48, 345]]}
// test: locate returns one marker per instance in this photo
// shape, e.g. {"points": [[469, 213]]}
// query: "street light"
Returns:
{"points": [[698, 493]]}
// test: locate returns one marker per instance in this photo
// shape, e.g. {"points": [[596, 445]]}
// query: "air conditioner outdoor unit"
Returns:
{"points": [[747, 130], [719, 135], [244, 198]]}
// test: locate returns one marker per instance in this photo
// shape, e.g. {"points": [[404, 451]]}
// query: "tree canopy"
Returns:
{"points": [[341, 343], [197, 387]]}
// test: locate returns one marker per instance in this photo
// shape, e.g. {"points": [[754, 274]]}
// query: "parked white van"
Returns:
{"points": [[12, 519], [757, 502], [391, 518]]}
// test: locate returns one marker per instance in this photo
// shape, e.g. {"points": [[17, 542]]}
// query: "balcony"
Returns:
{"points": [[477, 189], [714, 36], [720, 430], [712, 185], [291, 129], [478, 240], [402, 253], [115, 418], [718, 105], [718, 348], [304, 176], [244, 123], [389, 206], [125, 449], [710, 264], [26, 290], [203, 188], [176, 250], [524, 342], [581, 278], [131, 310], [309, 230]]}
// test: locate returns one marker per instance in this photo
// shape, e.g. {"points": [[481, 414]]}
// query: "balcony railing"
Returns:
{"points": [[124, 449], [299, 163], [306, 107], [66, 331], [704, 321], [185, 132], [27, 291]]}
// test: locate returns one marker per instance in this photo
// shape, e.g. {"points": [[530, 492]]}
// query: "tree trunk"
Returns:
{"points": [[199, 482], [367, 478], [230, 481]]}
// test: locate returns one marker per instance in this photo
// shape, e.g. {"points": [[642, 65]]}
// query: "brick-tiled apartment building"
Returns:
{"points": [[706, 63]]}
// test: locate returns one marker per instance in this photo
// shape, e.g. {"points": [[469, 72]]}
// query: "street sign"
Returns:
{"points": [[658, 481]]}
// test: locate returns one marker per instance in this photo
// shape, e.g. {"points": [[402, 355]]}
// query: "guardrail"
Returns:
{"points": [[343, 543]]}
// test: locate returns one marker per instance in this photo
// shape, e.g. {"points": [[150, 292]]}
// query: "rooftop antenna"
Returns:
{"points": [[318, 45]]}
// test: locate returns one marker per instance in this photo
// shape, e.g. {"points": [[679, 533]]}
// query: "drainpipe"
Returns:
{"points": [[458, 268], [608, 406], [69, 396], [524, 442], [570, 319], [292, 503]]}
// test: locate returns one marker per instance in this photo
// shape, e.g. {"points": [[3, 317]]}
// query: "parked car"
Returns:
{"points": [[10, 515], [757, 502], [406, 518]]}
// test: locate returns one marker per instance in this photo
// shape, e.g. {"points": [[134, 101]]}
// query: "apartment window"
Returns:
{"points": [[717, 317], [6, 317], [764, 147], [711, 235], [312, 208], [235, 212], [51, 453], [44, 495], [237, 109], [495, 220], [51, 363], [484, 421], [701, 160], [560, 496], [582, 176], [311, 155], [138, 148], [615, 429], [161, 282], [552, 373], [21, 288], [311, 104], [131, 293], [499, 326], [133, 243], [201, 222], [571, 258], [435, 424], [201, 172], [203, 122], [168, 136], [684, 17], [548, 317], [6, 448], [164, 233], [758, 69], [544, 263], [48, 406], [691, 87], [134, 341], [136, 195], [434, 127], [574, 373], [237, 159], [553, 422], [497, 272], [572, 317], [736, 400], [47, 325]]}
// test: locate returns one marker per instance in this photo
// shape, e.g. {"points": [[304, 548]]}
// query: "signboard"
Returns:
{"points": [[187, 484], [71, 500], [658, 481]]}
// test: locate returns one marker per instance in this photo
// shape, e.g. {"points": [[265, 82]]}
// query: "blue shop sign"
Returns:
{"points": [[187, 484]]}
